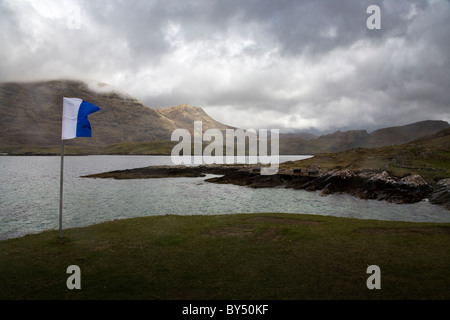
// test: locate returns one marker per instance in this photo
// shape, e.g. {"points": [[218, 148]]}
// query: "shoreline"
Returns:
{"points": [[364, 184]]}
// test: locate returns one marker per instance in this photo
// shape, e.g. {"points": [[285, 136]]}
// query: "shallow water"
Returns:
{"points": [[29, 196]]}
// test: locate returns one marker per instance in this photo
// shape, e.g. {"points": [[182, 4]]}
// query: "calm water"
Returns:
{"points": [[29, 196]]}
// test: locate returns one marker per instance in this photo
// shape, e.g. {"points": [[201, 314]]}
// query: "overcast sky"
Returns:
{"points": [[286, 64]]}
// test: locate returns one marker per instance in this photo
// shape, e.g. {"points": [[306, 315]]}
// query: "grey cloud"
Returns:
{"points": [[290, 63]]}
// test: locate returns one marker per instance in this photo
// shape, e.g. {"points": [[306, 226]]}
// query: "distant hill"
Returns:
{"points": [[300, 135], [30, 123], [402, 134], [427, 156], [341, 141], [334, 142]]}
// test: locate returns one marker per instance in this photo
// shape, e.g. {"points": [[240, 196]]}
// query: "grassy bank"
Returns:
{"points": [[156, 147], [245, 256], [427, 157]]}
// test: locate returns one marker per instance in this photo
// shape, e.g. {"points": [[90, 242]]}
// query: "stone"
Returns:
{"points": [[329, 188], [441, 193], [414, 180]]}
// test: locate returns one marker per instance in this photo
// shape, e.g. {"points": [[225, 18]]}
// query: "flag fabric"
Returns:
{"points": [[75, 121]]}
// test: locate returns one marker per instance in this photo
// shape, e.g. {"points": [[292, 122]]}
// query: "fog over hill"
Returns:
{"points": [[30, 115]]}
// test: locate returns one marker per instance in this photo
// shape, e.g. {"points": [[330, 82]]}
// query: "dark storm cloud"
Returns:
{"points": [[256, 63]]}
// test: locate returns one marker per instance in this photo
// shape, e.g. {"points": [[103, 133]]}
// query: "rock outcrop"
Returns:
{"points": [[365, 184], [441, 193]]}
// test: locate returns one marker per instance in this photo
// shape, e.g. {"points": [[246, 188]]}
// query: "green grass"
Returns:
{"points": [[429, 158], [157, 147], [238, 256]]}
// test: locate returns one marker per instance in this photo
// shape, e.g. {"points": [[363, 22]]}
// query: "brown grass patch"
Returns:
{"points": [[240, 230], [282, 220], [270, 234], [407, 230]]}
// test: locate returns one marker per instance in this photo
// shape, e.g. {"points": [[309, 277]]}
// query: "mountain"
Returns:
{"points": [[30, 117], [334, 142], [341, 141], [30, 123], [184, 115], [402, 134], [299, 135], [427, 156]]}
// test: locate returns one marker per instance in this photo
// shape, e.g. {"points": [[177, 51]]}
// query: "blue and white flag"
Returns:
{"points": [[75, 121]]}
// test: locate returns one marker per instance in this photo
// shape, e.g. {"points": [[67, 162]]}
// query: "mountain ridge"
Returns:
{"points": [[30, 117], [347, 140], [30, 123]]}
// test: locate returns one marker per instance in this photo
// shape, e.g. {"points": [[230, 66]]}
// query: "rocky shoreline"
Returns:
{"points": [[154, 172], [364, 184]]}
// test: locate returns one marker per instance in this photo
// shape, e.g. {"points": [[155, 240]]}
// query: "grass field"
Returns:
{"points": [[236, 256]]}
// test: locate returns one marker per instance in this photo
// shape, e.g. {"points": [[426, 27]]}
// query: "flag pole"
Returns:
{"points": [[61, 189], [74, 123]]}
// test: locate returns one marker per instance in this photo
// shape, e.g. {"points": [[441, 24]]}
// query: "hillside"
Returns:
{"points": [[30, 119], [402, 134], [334, 142], [428, 157], [341, 141], [183, 116]]}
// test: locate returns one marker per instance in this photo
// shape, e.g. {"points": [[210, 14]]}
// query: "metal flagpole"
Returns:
{"points": [[61, 189]]}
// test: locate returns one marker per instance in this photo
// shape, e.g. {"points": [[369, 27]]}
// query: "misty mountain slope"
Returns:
{"points": [[341, 141], [334, 142], [406, 133], [30, 122], [30, 115], [184, 115]]}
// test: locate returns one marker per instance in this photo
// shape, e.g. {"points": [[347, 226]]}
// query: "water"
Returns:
{"points": [[29, 196]]}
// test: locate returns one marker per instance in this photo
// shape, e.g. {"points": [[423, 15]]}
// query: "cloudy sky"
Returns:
{"points": [[310, 65]]}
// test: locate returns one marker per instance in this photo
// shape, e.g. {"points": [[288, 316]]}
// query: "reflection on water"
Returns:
{"points": [[29, 196]]}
